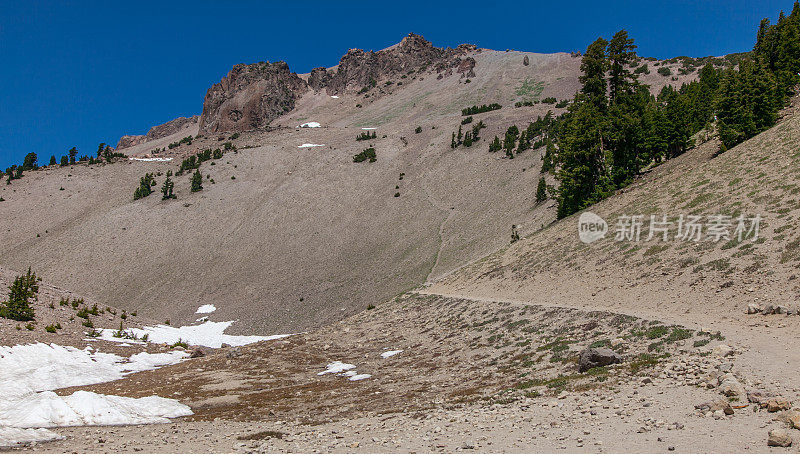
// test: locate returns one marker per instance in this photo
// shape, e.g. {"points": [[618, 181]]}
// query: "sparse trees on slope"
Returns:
{"points": [[18, 307], [167, 187]]}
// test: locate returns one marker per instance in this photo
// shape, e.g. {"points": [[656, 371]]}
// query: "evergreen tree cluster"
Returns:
{"points": [[193, 162], [615, 127], [186, 140], [145, 188], [367, 135], [24, 289], [468, 138], [367, 155], [480, 109]]}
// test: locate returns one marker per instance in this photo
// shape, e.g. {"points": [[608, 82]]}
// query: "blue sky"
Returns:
{"points": [[80, 73]]}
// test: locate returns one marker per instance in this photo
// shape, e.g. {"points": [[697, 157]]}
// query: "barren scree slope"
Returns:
{"points": [[287, 238]]}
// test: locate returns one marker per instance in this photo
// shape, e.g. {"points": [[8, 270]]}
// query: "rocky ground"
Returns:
{"points": [[472, 374]]}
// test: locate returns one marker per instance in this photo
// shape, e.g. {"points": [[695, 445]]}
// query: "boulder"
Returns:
{"points": [[793, 418], [779, 437], [526, 61], [722, 350], [197, 353], [753, 308], [777, 404], [597, 357]]}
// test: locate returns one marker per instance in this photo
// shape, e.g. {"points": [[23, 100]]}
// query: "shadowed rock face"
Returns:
{"points": [[250, 96]]}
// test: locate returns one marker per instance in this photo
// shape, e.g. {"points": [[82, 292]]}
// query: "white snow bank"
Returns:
{"points": [[344, 370], [334, 97], [309, 145], [82, 408], [151, 159], [390, 353], [206, 309], [208, 334], [12, 436], [29, 373], [310, 124]]}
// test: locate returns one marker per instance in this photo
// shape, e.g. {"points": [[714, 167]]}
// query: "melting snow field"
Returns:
{"points": [[208, 334], [309, 145], [344, 370], [151, 159], [29, 373], [206, 309], [368, 129], [310, 124], [390, 353]]}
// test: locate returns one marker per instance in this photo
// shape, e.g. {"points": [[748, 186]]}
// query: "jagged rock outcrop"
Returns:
{"points": [[319, 78], [130, 141], [359, 68], [171, 127], [250, 97]]}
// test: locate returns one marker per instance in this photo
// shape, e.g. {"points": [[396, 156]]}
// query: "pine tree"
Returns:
{"points": [[53, 160], [167, 187], [100, 149], [30, 161], [495, 145], [18, 307], [593, 69], [64, 161], [621, 52], [72, 153], [541, 190], [453, 140], [197, 181]]}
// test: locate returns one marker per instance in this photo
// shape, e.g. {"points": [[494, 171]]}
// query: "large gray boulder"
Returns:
{"points": [[597, 357]]}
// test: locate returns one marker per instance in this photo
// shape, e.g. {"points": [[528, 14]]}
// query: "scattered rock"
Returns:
{"points": [[597, 357], [197, 353], [526, 61], [779, 437], [753, 308]]}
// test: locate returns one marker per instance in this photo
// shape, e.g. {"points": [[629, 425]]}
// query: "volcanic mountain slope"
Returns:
{"points": [[485, 357], [284, 238]]}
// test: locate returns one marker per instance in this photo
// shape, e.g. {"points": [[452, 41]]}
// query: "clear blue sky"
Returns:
{"points": [[83, 72]]}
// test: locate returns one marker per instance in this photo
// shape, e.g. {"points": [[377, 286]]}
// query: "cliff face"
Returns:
{"points": [[250, 96]]}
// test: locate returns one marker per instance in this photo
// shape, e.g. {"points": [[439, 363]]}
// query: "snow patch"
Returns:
{"points": [[309, 145], [12, 436], [337, 367], [344, 370], [368, 129], [208, 334], [206, 309], [334, 97], [151, 159], [310, 124], [29, 373], [390, 353]]}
